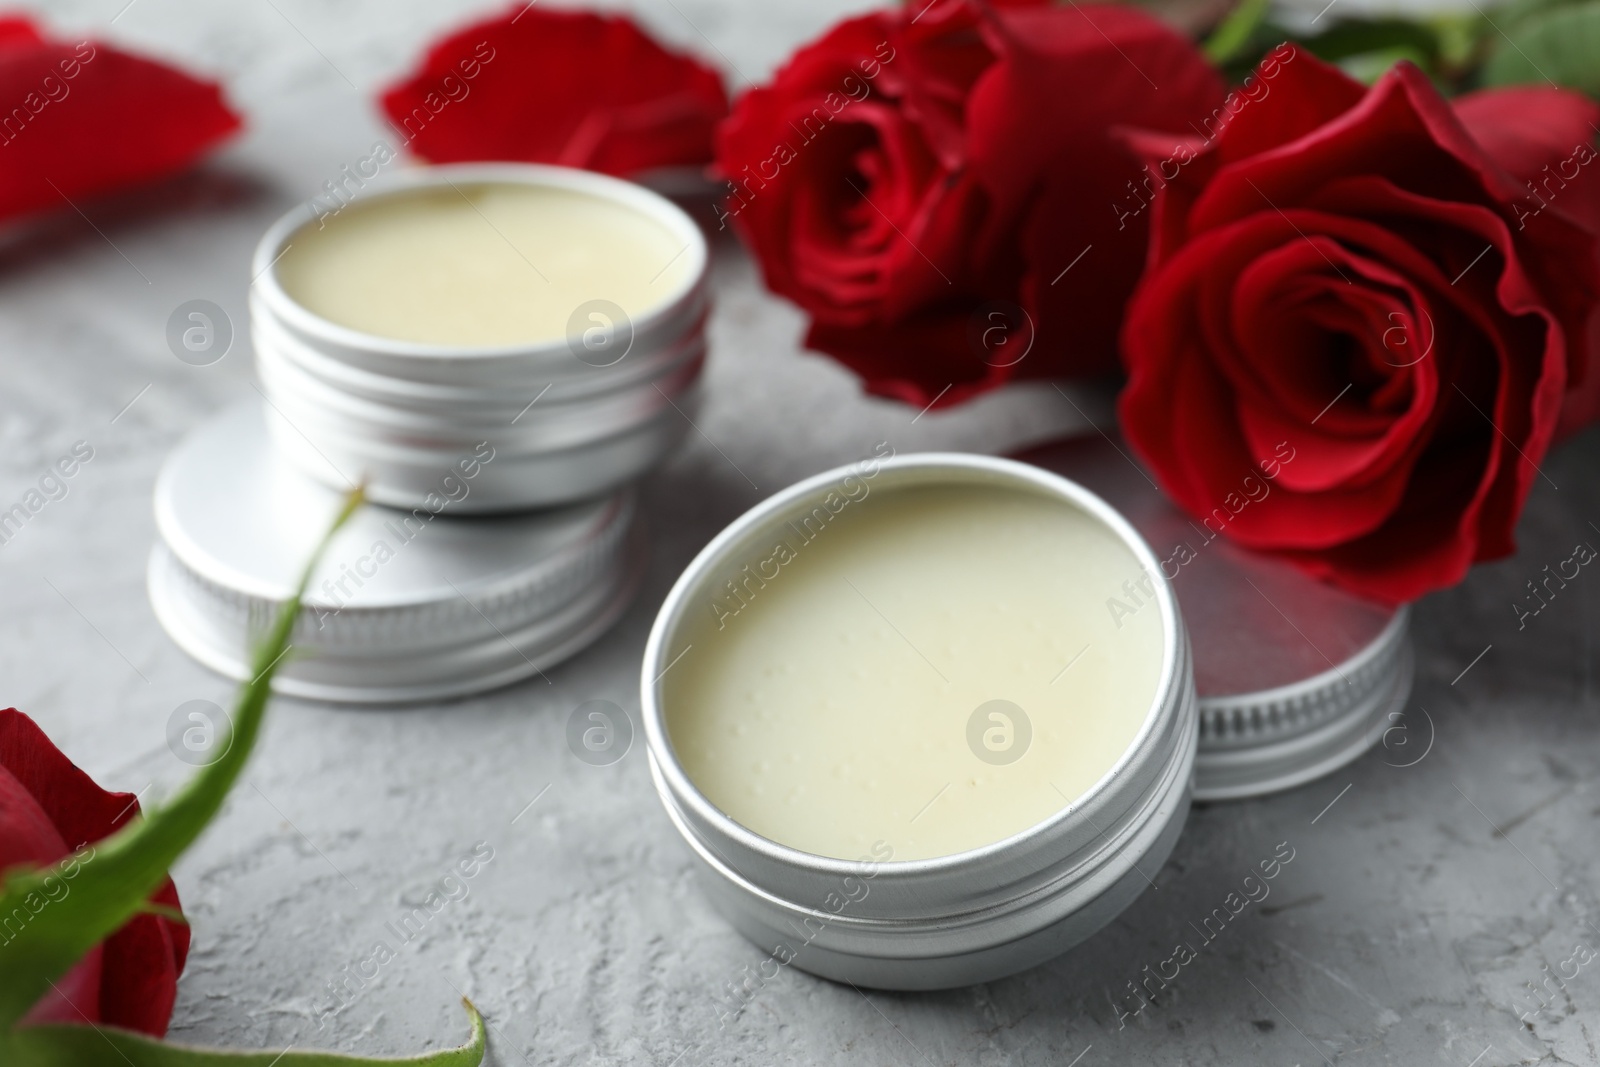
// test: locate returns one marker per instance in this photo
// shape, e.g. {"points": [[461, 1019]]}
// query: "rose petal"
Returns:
{"points": [[87, 118], [130, 980], [75, 997], [1198, 445], [1532, 131], [1041, 142], [27, 836], [1545, 138], [567, 87], [925, 359], [79, 809], [140, 965], [1305, 93]]}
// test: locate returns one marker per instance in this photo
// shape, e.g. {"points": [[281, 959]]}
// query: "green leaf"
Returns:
{"points": [[1234, 34], [1460, 38], [1511, 12], [1368, 67], [1560, 45], [110, 886], [170, 914], [107, 1046], [1355, 37], [1335, 41]]}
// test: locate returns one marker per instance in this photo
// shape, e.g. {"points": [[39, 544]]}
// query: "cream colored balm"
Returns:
{"points": [[930, 667], [479, 265]]}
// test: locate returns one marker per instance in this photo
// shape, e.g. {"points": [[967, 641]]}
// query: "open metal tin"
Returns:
{"points": [[567, 424], [956, 919]]}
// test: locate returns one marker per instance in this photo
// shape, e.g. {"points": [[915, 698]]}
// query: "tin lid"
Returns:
{"points": [[405, 605], [1296, 677]]}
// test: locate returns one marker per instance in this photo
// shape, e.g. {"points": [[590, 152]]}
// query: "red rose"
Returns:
{"points": [[1351, 295], [82, 118], [917, 168], [50, 809], [544, 86]]}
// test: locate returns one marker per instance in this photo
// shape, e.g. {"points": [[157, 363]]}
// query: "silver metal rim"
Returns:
{"points": [[443, 176], [602, 533], [424, 396], [1289, 759], [385, 408], [1253, 744]]}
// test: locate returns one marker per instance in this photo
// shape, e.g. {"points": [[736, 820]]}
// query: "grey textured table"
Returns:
{"points": [[1417, 907]]}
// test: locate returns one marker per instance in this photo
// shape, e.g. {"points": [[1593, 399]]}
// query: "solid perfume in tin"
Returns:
{"points": [[886, 711], [556, 313]]}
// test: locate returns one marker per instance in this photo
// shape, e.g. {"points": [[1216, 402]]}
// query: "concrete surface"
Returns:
{"points": [[1420, 903]]}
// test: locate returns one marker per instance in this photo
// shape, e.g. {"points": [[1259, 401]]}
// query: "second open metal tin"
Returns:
{"points": [[952, 920]]}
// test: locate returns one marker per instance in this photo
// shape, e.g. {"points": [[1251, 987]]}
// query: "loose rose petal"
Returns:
{"points": [[568, 87], [80, 119]]}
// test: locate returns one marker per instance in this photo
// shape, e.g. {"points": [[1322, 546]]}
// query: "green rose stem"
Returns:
{"points": [[114, 884]]}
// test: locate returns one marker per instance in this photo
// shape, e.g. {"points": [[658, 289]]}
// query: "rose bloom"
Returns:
{"points": [[923, 173], [1372, 283], [50, 810], [578, 89]]}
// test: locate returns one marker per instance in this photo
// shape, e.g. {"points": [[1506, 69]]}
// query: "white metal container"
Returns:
{"points": [[953, 920], [406, 605], [566, 424]]}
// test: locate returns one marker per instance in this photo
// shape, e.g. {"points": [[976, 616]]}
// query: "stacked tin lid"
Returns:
{"points": [[504, 537], [405, 605]]}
